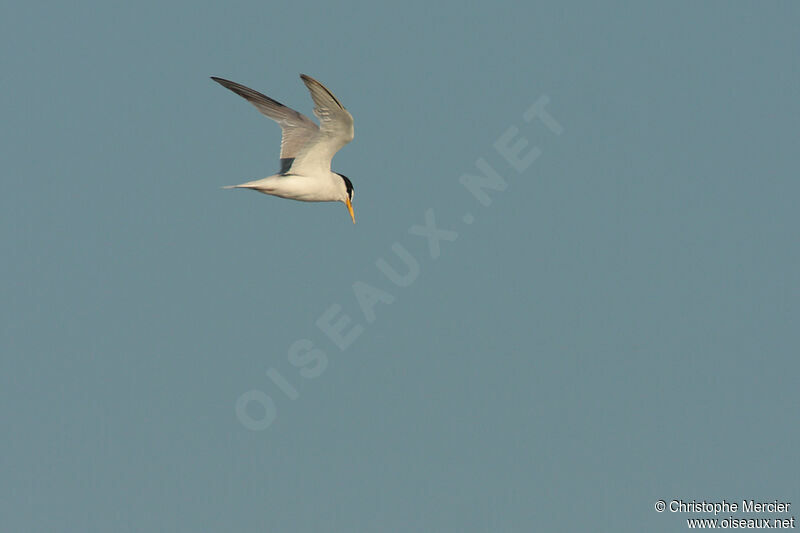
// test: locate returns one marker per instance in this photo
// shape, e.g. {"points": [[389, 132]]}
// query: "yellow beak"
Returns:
{"points": [[350, 208]]}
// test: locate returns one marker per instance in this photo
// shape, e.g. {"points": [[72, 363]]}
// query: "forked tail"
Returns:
{"points": [[249, 185]]}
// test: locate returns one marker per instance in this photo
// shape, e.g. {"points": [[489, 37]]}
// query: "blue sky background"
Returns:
{"points": [[619, 326]]}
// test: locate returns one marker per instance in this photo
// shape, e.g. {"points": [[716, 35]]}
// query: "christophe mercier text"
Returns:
{"points": [[747, 506]]}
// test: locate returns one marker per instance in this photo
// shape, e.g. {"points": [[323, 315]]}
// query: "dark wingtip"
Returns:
{"points": [[225, 83], [306, 79]]}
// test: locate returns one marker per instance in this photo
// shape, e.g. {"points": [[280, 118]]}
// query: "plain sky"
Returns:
{"points": [[618, 326]]}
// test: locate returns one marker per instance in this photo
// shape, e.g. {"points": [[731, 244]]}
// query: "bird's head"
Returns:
{"points": [[347, 195]]}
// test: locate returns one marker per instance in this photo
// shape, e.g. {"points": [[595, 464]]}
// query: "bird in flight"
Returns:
{"points": [[306, 149]]}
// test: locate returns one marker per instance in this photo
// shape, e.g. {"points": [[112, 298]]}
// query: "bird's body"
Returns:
{"points": [[306, 149], [316, 188]]}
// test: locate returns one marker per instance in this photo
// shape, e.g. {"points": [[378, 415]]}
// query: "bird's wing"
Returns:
{"points": [[335, 130], [297, 128]]}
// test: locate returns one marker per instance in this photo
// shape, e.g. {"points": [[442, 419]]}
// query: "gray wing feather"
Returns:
{"points": [[297, 128], [335, 129]]}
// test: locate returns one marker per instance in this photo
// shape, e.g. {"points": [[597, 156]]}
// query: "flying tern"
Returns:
{"points": [[306, 149]]}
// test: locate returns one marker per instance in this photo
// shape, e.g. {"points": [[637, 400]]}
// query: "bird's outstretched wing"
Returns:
{"points": [[297, 128], [335, 130]]}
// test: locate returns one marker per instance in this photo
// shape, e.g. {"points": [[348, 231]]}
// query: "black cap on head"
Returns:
{"points": [[348, 184]]}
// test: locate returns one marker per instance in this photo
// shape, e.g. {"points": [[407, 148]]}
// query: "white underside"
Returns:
{"points": [[328, 188]]}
